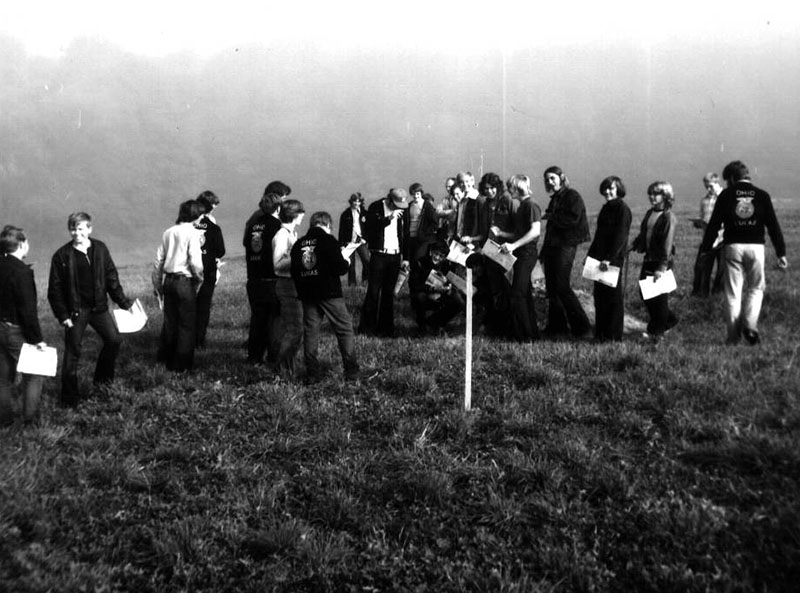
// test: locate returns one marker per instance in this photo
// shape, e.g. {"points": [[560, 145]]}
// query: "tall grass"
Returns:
{"points": [[613, 467]]}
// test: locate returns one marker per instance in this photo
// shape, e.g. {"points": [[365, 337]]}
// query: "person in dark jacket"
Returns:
{"points": [[610, 247], [351, 230], [656, 239], [386, 232], [19, 323], [567, 227], [434, 304], [213, 249], [422, 223], [82, 276], [745, 213], [264, 331], [316, 265]]}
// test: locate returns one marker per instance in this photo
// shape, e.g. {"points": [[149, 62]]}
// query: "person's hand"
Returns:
{"points": [[783, 263], [67, 323], [494, 230], [507, 247], [604, 265], [41, 346], [657, 274], [405, 265]]}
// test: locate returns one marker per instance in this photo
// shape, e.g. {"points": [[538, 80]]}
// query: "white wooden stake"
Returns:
{"points": [[468, 346]]}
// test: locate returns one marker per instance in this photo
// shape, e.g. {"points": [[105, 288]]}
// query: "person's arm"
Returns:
{"points": [[714, 223], [112, 284], [57, 289], [195, 259], [158, 269], [618, 246], [668, 245], [281, 255], [25, 301]]}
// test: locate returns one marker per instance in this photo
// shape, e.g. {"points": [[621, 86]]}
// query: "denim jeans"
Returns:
{"points": [[291, 323], [377, 315], [264, 333], [744, 287], [609, 311], [341, 323], [362, 251], [661, 317], [524, 325], [103, 324], [703, 268], [11, 340], [564, 310], [204, 297], [178, 338]]}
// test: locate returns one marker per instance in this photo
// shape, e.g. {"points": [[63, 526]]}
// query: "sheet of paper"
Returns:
{"points": [[435, 280], [663, 285], [459, 282], [33, 361], [131, 321], [459, 253], [492, 251], [350, 249], [592, 271]]}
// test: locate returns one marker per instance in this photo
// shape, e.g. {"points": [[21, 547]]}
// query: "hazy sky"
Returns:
{"points": [[159, 27]]}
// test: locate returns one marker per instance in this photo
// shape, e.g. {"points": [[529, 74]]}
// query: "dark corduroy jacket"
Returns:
{"points": [[62, 289], [567, 224], [18, 297]]}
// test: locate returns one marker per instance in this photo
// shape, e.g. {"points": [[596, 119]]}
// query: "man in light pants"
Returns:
{"points": [[746, 211]]}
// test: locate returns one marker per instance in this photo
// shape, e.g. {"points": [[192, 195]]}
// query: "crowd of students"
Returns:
{"points": [[293, 283]]}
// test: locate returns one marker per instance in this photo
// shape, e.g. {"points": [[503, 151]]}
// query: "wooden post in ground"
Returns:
{"points": [[468, 346]]}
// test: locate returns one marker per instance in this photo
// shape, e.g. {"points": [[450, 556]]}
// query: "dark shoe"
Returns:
{"points": [[752, 336]]}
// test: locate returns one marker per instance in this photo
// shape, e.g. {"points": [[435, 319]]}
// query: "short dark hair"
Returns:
{"points": [[278, 187], [735, 171], [188, 211], [269, 203], [10, 238], [613, 180], [290, 210], [207, 200], [76, 218], [356, 196], [321, 219], [414, 187]]}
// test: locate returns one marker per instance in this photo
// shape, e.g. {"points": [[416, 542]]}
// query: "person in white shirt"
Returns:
{"points": [[291, 309], [177, 274]]}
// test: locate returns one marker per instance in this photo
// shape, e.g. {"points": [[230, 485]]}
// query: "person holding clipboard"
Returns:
{"points": [[609, 247], [19, 323]]}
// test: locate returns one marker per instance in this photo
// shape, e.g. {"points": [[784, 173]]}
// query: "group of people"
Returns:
{"points": [[409, 233], [293, 283]]}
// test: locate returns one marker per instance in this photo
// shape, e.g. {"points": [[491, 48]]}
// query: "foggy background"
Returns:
{"points": [[127, 137]]}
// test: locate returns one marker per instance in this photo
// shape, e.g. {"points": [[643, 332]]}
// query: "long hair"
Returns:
{"points": [[613, 180], [665, 189]]}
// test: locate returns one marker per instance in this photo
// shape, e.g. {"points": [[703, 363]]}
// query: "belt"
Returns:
{"points": [[386, 251], [173, 276]]}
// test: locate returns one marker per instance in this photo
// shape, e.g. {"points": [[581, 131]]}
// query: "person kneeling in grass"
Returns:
{"points": [[316, 265]]}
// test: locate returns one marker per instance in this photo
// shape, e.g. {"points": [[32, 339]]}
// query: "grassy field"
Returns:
{"points": [[582, 467]]}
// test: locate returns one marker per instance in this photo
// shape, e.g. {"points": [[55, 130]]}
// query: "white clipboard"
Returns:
{"points": [[131, 321], [663, 285], [33, 361], [592, 271]]}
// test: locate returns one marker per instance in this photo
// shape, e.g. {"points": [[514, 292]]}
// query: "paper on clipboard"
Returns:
{"points": [[33, 361], [459, 253], [492, 250], [131, 321], [650, 289], [592, 271], [349, 249]]}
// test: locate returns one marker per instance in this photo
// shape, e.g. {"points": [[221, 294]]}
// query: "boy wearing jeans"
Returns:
{"points": [[316, 264]]}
